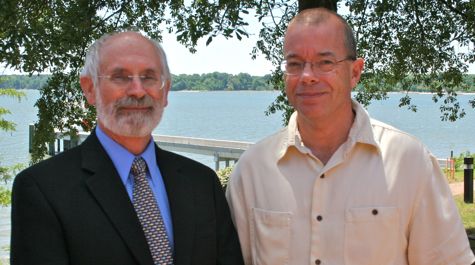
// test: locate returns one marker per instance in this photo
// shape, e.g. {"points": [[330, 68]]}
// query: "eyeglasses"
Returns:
{"points": [[123, 81], [319, 66]]}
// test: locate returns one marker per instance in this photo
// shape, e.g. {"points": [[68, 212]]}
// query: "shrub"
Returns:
{"points": [[223, 175], [459, 160]]}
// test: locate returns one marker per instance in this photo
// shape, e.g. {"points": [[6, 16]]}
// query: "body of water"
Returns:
{"points": [[239, 116]]}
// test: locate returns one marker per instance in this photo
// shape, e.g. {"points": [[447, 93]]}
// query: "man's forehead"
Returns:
{"points": [[317, 54], [117, 70], [303, 33], [129, 47], [123, 42], [126, 36]]}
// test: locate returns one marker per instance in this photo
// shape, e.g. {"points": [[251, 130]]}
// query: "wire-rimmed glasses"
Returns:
{"points": [[319, 66], [123, 81]]}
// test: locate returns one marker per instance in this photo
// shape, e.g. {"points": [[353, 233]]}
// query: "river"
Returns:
{"points": [[239, 116]]}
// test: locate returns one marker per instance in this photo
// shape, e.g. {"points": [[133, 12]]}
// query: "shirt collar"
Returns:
{"points": [[361, 132], [122, 158], [362, 129]]}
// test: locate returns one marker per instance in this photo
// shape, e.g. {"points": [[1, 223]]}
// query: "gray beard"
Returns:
{"points": [[130, 124]]}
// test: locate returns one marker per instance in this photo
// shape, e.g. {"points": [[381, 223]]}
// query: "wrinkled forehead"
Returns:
{"points": [[127, 43], [129, 49], [323, 39]]}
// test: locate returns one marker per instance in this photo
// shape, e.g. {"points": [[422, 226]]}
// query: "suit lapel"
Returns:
{"points": [[180, 197], [106, 186]]}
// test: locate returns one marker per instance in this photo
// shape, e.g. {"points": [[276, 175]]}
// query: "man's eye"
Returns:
{"points": [[120, 78], [325, 62], [148, 79], [294, 64]]}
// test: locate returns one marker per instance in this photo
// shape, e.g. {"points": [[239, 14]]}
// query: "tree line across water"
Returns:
{"points": [[212, 81], [209, 82]]}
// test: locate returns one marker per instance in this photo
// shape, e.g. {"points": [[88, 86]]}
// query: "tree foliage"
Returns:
{"points": [[223, 175], [6, 125], [24, 81], [403, 43], [219, 82], [412, 42], [7, 172], [54, 35]]}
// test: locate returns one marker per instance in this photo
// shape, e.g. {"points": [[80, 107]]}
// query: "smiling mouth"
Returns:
{"points": [[136, 108], [311, 95], [125, 110]]}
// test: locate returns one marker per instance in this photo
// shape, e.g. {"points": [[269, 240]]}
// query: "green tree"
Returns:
{"points": [[7, 172], [398, 39], [403, 43], [258, 84], [459, 161], [246, 80], [54, 35]]}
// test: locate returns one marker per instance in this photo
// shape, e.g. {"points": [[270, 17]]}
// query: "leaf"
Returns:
{"points": [[210, 39]]}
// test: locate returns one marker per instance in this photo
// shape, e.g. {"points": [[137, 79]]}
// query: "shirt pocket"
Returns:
{"points": [[371, 235], [270, 236]]}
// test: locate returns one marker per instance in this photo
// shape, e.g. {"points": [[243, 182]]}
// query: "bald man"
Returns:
{"points": [[334, 186]]}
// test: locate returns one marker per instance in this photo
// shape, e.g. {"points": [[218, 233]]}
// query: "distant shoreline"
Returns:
{"points": [[391, 92], [189, 91], [428, 93], [192, 91]]}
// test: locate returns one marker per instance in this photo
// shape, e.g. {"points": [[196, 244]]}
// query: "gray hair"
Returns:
{"points": [[321, 15], [92, 63]]}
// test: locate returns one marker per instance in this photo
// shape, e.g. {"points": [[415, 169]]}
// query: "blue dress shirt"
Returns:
{"points": [[123, 160]]}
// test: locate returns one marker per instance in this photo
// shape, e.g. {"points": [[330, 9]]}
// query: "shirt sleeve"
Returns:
{"points": [[239, 213], [437, 234]]}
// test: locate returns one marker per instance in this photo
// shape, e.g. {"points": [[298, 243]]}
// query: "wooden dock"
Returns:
{"points": [[221, 150]]}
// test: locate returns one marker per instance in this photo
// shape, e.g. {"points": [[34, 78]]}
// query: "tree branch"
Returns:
{"points": [[120, 10], [423, 36], [362, 20], [328, 4], [272, 15], [453, 9], [220, 27]]}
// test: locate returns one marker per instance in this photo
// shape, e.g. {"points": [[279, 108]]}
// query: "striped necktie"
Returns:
{"points": [[149, 215]]}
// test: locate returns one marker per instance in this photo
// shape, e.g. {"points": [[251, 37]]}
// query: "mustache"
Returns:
{"points": [[145, 101]]}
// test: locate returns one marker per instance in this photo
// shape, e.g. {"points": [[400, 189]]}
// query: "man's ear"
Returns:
{"points": [[356, 69], [165, 90], [87, 86]]}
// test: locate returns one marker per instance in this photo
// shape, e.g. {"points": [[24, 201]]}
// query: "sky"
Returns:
{"points": [[227, 56]]}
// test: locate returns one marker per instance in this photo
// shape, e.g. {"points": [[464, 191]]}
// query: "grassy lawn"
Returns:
{"points": [[457, 178], [467, 211]]}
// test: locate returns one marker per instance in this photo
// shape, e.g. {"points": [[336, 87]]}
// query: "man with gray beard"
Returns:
{"points": [[118, 198]]}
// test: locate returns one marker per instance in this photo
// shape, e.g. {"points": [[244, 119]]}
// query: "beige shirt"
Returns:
{"points": [[381, 199]]}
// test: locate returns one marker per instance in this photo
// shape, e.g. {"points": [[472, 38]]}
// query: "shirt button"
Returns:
{"points": [[319, 218], [318, 262], [322, 176], [375, 212]]}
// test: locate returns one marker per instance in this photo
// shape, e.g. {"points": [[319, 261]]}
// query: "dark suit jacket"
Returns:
{"points": [[73, 209]]}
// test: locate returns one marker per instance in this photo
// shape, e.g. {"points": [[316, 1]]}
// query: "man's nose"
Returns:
{"points": [[136, 88], [308, 76]]}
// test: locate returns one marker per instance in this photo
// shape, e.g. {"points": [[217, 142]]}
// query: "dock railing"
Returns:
{"points": [[221, 150]]}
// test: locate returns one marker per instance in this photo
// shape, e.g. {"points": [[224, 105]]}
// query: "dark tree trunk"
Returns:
{"points": [[329, 4]]}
